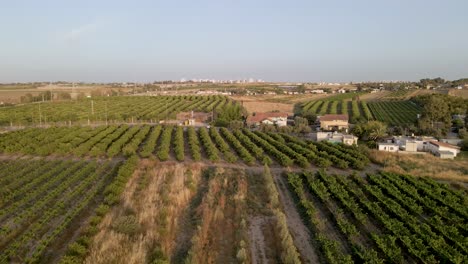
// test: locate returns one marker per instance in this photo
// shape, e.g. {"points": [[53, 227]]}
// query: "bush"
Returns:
{"points": [[127, 225]]}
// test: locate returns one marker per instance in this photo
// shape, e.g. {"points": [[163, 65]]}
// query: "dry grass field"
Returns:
{"points": [[143, 228], [422, 165], [462, 93], [269, 103]]}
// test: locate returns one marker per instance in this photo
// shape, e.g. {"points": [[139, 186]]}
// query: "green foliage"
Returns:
{"points": [[165, 144], [115, 109], [127, 225], [179, 144], [150, 145], [230, 112], [194, 144], [209, 146], [372, 130]]}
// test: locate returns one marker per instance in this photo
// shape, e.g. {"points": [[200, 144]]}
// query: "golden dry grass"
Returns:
{"points": [[156, 196], [221, 215], [422, 165], [268, 103]]}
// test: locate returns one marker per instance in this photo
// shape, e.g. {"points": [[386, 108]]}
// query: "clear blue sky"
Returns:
{"points": [[279, 40]]}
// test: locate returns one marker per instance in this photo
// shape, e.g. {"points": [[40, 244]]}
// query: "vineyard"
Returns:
{"points": [[110, 109], [382, 218], [395, 112], [168, 143], [391, 112], [40, 200]]}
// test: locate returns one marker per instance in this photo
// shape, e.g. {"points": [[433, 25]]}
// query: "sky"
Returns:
{"points": [[273, 40]]}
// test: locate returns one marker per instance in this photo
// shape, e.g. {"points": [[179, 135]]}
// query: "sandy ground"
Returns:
{"points": [[257, 107], [301, 235], [257, 240]]}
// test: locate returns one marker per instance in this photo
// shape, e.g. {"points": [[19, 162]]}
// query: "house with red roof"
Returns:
{"points": [[269, 118]]}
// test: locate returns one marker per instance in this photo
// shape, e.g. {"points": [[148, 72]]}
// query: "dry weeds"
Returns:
{"points": [[156, 195], [422, 165]]}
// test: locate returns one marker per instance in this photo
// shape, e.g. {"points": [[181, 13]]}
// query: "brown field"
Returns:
{"points": [[374, 96], [13, 95], [462, 93], [422, 165], [269, 103], [144, 226], [193, 213]]}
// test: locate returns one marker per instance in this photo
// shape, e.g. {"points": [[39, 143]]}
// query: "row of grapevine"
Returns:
{"points": [[167, 142], [222, 145], [282, 159], [78, 250], [179, 144], [237, 146], [34, 214], [109, 109], [194, 144], [395, 216], [391, 112], [208, 145]]}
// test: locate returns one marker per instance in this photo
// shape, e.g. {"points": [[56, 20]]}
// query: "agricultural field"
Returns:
{"points": [[356, 110], [109, 109], [395, 112], [44, 203], [181, 144], [173, 194], [382, 218], [391, 112]]}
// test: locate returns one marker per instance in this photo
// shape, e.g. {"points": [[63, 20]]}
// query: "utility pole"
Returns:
{"points": [[166, 111], [40, 116], [92, 107], [106, 112]]}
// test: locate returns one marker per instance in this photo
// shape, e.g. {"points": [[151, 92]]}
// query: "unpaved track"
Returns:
{"points": [[301, 235], [257, 239]]}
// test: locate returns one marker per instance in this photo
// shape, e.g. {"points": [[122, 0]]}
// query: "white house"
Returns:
{"points": [[335, 137], [317, 91], [272, 118], [442, 149], [408, 143], [388, 147]]}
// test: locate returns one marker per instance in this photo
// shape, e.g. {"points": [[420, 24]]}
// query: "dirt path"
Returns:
{"points": [[301, 235], [257, 239]]}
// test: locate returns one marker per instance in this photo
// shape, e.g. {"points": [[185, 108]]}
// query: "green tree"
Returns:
{"points": [[301, 125], [372, 130], [230, 112], [436, 116]]}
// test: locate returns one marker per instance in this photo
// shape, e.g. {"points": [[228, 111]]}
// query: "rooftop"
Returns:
{"points": [[443, 144], [259, 117], [334, 117]]}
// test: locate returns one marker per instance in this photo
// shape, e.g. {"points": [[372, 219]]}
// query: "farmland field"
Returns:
{"points": [[174, 194], [382, 218], [40, 200], [356, 110], [110, 109], [395, 112], [391, 112], [168, 143]]}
